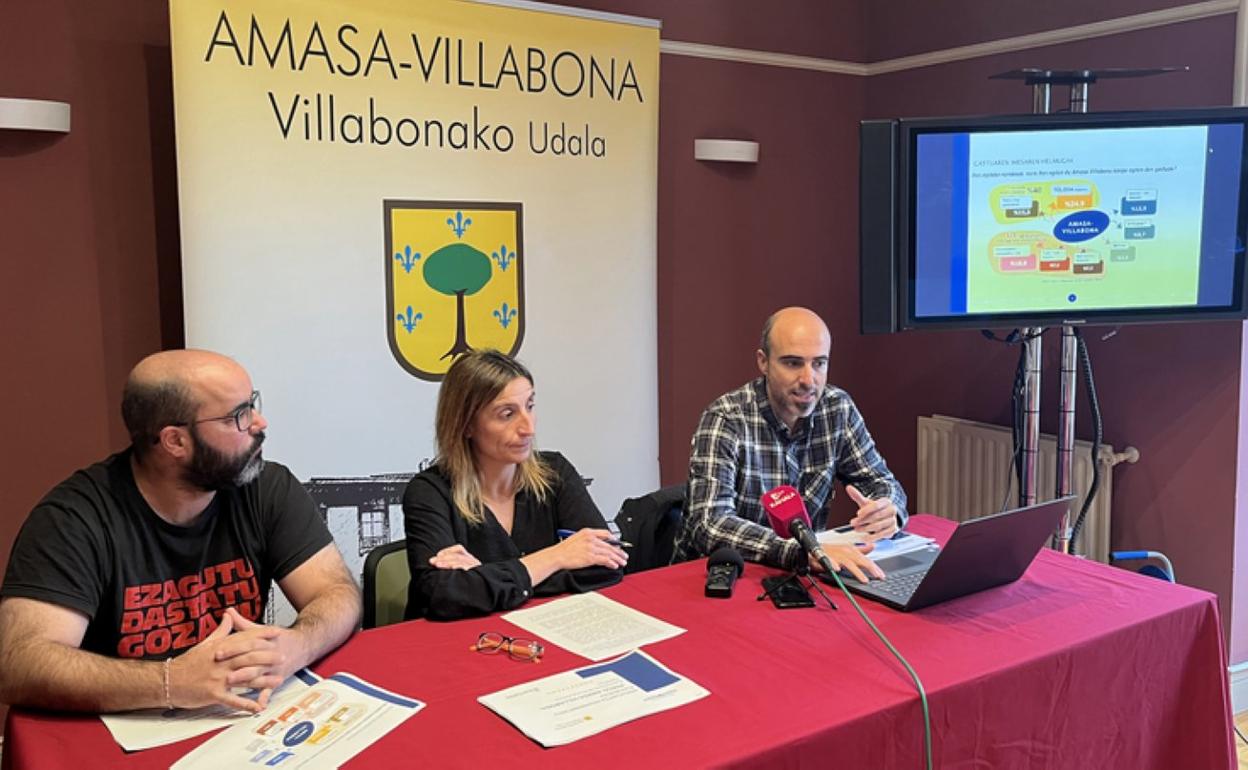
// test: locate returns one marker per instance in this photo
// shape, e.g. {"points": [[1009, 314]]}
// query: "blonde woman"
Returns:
{"points": [[483, 523]]}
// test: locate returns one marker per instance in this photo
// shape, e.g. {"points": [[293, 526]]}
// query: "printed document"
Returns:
{"points": [[333, 721], [902, 542], [592, 626], [566, 707]]}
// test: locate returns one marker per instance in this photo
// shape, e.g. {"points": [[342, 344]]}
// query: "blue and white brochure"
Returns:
{"points": [[332, 722], [576, 704]]}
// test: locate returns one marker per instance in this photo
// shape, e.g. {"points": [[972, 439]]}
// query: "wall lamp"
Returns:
{"points": [[34, 115], [725, 150]]}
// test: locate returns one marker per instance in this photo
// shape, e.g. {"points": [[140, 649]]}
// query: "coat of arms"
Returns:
{"points": [[455, 281]]}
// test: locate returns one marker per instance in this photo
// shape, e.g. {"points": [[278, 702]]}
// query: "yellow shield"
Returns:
{"points": [[454, 281]]}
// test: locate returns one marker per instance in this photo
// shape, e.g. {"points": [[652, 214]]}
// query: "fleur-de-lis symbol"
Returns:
{"points": [[459, 224], [407, 258], [504, 257], [408, 320], [505, 315]]}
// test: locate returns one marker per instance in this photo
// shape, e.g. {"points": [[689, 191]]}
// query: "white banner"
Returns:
{"points": [[366, 187]]}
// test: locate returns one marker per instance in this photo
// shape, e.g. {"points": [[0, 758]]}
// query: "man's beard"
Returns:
{"points": [[213, 471], [805, 409]]}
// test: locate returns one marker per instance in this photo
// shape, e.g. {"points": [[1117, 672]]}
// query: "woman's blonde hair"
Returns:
{"points": [[474, 380]]}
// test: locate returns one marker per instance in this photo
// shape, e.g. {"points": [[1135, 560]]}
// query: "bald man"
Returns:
{"points": [[140, 582], [786, 427]]}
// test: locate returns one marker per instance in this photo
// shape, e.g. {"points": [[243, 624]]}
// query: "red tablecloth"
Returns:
{"points": [[1077, 665]]}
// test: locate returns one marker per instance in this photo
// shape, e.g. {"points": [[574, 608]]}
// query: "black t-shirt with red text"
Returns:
{"points": [[152, 589]]}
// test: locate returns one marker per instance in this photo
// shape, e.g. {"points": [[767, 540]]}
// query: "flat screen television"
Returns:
{"points": [[1045, 220]]}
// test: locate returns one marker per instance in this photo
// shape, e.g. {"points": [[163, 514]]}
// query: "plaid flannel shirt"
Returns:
{"points": [[741, 449]]}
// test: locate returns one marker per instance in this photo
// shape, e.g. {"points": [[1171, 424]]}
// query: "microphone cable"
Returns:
{"points": [[1017, 418], [1017, 406], [918, 684]]}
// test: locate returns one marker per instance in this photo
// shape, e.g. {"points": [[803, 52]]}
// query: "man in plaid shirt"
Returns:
{"points": [[786, 427]]}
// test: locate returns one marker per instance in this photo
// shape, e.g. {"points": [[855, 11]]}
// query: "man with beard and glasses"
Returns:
{"points": [[786, 427], [140, 582]]}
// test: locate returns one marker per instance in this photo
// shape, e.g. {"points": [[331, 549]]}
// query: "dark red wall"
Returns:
{"points": [[84, 234], [933, 26], [92, 283], [735, 243], [88, 223], [738, 241], [1170, 391]]}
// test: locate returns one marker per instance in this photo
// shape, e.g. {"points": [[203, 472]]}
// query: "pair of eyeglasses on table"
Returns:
{"points": [[491, 643]]}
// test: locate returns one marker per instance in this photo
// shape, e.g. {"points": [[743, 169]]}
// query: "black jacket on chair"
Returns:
{"points": [[650, 523]]}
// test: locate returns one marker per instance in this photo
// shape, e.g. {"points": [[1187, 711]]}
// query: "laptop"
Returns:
{"points": [[981, 553]]}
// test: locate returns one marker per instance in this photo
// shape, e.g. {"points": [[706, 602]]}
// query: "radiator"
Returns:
{"points": [[964, 471]]}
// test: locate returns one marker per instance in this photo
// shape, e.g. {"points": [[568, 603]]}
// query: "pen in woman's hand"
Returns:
{"points": [[566, 533]]}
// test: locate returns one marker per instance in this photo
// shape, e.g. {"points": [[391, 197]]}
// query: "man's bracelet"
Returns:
{"points": [[168, 697]]}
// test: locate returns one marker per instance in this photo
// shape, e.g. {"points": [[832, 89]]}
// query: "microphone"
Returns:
{"points": [[784, 505], [722, 570], [788, 517], [806, 539]]}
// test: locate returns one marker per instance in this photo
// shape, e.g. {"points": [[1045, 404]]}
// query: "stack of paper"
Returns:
{"points": [[902, 542]]}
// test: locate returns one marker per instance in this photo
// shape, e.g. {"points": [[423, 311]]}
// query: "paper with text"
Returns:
{"points": [[592, 626]]}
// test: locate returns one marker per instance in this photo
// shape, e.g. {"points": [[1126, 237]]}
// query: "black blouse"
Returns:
{"points": [[501, 582]]}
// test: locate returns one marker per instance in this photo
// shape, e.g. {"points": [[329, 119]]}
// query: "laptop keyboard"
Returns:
{"points": [[899, 587]]}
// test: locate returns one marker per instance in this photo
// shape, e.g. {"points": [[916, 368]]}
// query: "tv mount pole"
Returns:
{"points": [[1042, 82]]}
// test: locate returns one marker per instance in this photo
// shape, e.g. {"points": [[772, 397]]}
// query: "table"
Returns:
{"points": [[1076, 665]]}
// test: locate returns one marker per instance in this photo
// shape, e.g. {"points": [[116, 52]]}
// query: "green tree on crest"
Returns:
{"points": [[460, 270]]}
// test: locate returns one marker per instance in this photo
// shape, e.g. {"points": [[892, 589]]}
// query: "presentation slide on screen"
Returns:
{"points": [[1078, 219], [1105, 219]]}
